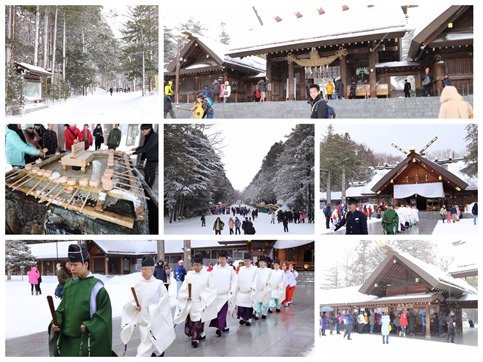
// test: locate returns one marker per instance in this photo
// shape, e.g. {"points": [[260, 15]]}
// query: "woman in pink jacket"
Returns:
{"points": [[231, 225], [34, 276]]}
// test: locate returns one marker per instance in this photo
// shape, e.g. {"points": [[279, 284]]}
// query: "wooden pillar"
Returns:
{"points": [[302, 91], [121, 269], [269, 78], [187, 254], [418, 85], [438, 77], [106, 265], [373, 58], [282, 254], [344, 74], [291, 75], [428, 321], [160, 249]]}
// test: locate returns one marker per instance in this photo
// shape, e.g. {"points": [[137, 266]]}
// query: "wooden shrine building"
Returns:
{"points": [[203, 60], [417, 180], [32, 85], [402, 282]]}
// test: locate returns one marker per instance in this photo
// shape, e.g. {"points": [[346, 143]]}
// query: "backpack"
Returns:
{"points": [[330, 113], [199, 111], [210, 102]]}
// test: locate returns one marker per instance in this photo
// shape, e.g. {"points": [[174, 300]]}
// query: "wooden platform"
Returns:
{"points": [[81, 160]]}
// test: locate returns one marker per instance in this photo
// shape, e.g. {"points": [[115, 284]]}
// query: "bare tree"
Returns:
{"points": [[36, 37]]}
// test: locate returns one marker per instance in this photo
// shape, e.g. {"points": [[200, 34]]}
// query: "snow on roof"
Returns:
{"points": [[340, 295], [397, 64], [455, 36], [314, 27], [437, 273], [51, 250], [176, 246], [34, 68], [287, 244], [123, 247], [221, 51], [456, 169]]}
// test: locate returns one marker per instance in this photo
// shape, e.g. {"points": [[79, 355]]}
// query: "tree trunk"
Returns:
{"points": [[36, 38], [63, 50], [160, 249], [54, 48], [46, 38], [84, 91], [8, 50], [187, 254]]}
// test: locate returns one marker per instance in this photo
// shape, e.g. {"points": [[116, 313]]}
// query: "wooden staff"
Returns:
{"points": [[135, 297], [20, 179], [85, 201], [24, 182], [189, 291], [50, 300]]}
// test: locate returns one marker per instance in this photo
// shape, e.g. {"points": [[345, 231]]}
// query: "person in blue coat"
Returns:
{"points": [[16, 147]]}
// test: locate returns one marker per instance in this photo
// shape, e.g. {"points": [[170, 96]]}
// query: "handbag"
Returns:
{"points": [[389, 328], [470, 111]]}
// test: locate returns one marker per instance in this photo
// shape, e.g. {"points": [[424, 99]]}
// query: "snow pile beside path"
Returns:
{"points": [[464, 226], [372, 220]]}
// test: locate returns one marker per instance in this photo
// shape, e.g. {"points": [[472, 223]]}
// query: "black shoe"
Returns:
{"points": [[226, 330], [264, 317], [349, 339], [203, 337], [195, 343], [242, 321], [270, 311], [278, 310], [154, 355], [256, 318], [218, 333], [248, 324]]}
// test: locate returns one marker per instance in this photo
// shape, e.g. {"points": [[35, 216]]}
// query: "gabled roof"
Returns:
{"points": [[217, 53], [431, 33], [360, 23], [437, 279], [31, 69], [408, 162]]}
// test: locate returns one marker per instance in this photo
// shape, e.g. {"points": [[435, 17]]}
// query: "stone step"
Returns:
{"points": [[416, 107]]}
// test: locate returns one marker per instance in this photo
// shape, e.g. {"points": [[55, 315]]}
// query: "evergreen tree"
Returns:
{"points": [[17, 255], [224, 37], [169, 45], [471, 150]]}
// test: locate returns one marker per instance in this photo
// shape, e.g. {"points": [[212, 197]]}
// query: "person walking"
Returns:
{"points": [[385, 328], [237, 226], [86, 137], [218, 226], [179, 275], [226, 92], [427, 82], [98, 137], [348, 322], [451, 324], [231, 225], [63, 274], [168, 107], [329, 89], [354, 220], [407, 89], [33, 277], [403, 322], [474, 212], [390, 221]]}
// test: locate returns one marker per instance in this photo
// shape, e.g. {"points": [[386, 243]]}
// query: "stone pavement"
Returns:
{"points": [[289, 333], [371, 108]]}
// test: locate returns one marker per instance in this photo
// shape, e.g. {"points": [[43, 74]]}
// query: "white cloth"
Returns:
{"points": [[263, 288], [202, 305], [430, 190], [224, 280], [246, 286], [277, 283], [291, 278], [155, 321]]}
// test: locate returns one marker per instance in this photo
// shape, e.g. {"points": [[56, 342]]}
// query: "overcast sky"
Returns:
{"points": [[246, 145], [116, 17], [379, 137], [240, 17]]}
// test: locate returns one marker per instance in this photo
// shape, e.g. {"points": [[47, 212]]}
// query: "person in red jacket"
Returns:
{"points": [[87, 137], [72, 135], [403, 322]]}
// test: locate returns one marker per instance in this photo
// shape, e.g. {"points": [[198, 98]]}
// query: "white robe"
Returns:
{"points": [[263, 288], [155, 321], [203, 298], [246, 286], [225, 280], [277, 281]]}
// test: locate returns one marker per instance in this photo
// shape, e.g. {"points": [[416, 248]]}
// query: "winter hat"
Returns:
{"points": [[198, 259], [223, 254], [148, 260], [78, 253], [28, 125]]}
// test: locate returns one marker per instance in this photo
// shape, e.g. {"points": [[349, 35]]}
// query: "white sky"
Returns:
{"points": [[246, 145], [240, 17], [379, 137], [116, 18]]}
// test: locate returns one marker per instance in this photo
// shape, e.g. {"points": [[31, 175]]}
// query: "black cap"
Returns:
{"points": [[247, 256], [276, 261], [352, 200], [262, 258], [224, 254], [198, 259], [148, 260], [146, 126], [78, 253]]}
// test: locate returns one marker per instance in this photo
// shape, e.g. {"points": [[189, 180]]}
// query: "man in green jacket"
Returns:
{"points": [[114, 138], [84, 316], [390, 221]]}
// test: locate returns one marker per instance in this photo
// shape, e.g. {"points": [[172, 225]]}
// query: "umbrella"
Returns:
{"points": [[326, 309]]}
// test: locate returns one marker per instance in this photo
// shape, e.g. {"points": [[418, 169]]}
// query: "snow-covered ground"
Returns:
{"points": [[464, 226], [372, 220], [98, 107], [27, 314], [398, 349], [262, 225]]}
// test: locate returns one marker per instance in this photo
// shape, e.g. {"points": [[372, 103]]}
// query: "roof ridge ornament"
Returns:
{"points": [[315, 59]]}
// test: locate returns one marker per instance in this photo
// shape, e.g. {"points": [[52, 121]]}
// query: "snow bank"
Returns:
{"points": [[464, 226]]}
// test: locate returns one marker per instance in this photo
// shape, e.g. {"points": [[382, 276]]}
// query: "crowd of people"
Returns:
{"points": [[403, 323], [82, 323]]}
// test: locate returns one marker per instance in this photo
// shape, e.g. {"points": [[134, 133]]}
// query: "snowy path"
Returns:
{"points": [[262, 225], [98, 107], [398, 349]]}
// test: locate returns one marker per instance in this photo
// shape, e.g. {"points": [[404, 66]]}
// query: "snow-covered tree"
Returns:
{"points": [[471, 150], [17, 254]]}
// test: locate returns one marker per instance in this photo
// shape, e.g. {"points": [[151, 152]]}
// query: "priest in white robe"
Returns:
{"points": [[245, 291], [196, 301], [152, 316], [263, 289], [225, 280], [277, 282]]}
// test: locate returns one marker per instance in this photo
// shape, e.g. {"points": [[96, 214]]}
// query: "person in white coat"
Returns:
{"points": [[196, 302], [385, 328], [277, 282], [245, 290], [263, 289], [224, 279], [152, 316]]}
